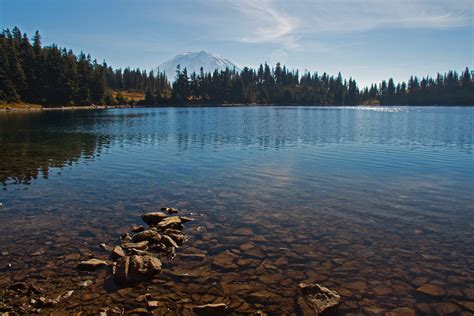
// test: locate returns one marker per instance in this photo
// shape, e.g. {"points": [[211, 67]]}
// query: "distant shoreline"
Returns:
{"points": [[39, 108]]}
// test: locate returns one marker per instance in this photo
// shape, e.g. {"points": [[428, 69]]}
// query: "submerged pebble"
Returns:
{"points": [[91, 264]]}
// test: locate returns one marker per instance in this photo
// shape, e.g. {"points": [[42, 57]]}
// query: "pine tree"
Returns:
{"points": [[7, 88]]}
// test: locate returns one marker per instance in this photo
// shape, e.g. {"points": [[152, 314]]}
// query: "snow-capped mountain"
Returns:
{"points": [[193, 61]]}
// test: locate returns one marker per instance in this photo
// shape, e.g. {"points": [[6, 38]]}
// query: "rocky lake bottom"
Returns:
{"points": [[255, 266]]}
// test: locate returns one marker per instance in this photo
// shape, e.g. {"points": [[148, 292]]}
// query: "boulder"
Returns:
{"points": [[314, 299], [171, 221], [91, 264], [135, 268], [153, 218], [117, 252], [149, 235], [142, 245]]}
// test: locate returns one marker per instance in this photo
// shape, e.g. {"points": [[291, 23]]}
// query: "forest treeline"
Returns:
{"points": [[55, 76], [51, 75]]}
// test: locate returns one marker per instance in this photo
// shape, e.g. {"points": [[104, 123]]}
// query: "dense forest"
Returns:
{"points": [[55, 76]]}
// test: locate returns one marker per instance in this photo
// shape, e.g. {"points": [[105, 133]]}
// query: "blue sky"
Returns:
{"points": [[369, 40]]}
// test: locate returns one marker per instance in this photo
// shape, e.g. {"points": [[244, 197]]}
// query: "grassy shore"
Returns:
{"points": [[24, 107], [20, 107], [131, 95]]}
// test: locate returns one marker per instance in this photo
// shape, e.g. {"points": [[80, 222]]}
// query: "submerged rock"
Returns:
{"points": [[139, 252], [468, 305], [18, 286], [137, 228], [211, 309], [169, 242], [401, 311], [126, 237], [225, 260], [153, 218], [357, 285], [155, 304], [431, 289], [41, 302], [178, 236], [105, 246], [92, 264], [139, 311], [171, 253], [314, 299], [136, 268]]}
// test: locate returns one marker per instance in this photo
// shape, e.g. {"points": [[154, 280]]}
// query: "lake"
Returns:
{"points": [[373, 202]]}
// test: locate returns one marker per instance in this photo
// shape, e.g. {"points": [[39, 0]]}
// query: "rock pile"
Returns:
{"points": [[136, 258]]}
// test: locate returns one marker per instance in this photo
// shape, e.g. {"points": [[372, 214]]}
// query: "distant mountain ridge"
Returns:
{"points": [[193, 61]]}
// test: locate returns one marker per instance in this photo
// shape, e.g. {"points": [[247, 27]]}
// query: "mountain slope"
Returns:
{"points": [[193, 61]]}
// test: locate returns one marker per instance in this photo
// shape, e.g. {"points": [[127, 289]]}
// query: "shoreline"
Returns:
{"points": [[39, 108], [15, 108]]}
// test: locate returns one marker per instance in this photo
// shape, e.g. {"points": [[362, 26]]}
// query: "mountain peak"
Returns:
{"points": [[193, 61]]}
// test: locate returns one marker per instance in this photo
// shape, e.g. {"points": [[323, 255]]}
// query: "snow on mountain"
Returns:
{"points": [[193, 61]]}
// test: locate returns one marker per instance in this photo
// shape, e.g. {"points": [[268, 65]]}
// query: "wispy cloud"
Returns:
{"points": [[354, 16], [270, 24], [289, 22]]}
